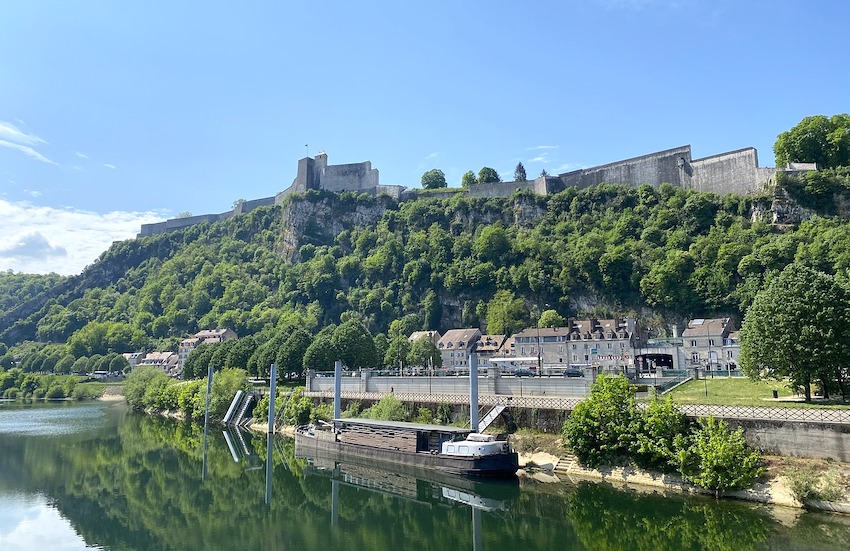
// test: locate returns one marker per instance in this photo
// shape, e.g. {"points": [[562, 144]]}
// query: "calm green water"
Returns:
{"points": [[95, 476]]}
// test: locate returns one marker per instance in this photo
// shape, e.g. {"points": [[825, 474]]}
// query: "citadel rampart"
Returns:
{"points": [[731, 172]]}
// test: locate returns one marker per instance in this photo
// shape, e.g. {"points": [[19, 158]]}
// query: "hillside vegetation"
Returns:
{"points": [[663, 254]]}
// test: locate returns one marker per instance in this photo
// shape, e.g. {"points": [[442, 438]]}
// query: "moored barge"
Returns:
{"points": [[450, 449]]}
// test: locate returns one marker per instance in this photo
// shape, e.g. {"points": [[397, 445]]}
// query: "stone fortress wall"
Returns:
{"points": [[731, 172]]}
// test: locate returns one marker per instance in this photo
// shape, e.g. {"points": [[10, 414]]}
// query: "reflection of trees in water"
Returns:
{"points": [[608, 519], [141, 488]]}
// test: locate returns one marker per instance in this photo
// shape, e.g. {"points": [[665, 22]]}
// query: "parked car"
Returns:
{"points": [[573, 372], [523, 373]]}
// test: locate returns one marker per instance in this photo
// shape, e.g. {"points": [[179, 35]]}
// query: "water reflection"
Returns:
{"points": [[131, 482], [29, 522]]}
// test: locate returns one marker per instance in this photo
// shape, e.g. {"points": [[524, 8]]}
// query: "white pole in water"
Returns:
{"points": [[272, 392], [209, 391], [337, 389], [473, 391]]}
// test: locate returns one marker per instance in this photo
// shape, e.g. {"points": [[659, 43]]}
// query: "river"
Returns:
{"points": [[77, 476]]}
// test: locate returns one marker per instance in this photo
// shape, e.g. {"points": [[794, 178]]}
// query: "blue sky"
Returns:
{"points": [[114, 114]]}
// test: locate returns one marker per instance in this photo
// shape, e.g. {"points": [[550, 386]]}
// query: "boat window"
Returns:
{"points": [[450, 449], [464, 449]]}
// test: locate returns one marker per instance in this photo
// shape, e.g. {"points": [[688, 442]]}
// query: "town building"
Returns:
{"points": [[207, 336], [433, 336], [489, 346], [166, 361], [711, 343], [456, 345], [606, 344]]}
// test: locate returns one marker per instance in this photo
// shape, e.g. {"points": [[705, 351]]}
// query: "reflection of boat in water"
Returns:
{"points": [[410, 482], [450, 449]]}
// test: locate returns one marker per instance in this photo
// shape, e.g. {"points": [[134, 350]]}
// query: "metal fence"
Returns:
{"points": [[759, 413]]}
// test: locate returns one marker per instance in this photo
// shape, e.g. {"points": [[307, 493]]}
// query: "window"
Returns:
{"points": [[610, 345], [729, 354], [586, 358], [574, 347], [575, 357], [710, 342], [693, 343], [560, 349], [695, 357]]}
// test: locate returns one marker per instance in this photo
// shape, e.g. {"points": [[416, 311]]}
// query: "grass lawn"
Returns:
{"points": [[740, 392]]}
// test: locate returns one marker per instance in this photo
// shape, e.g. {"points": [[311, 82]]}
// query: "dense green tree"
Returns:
{"points": [[817, 139], [492, 244], [290, 356], [354, 345], [797, 328], [601, 429], [718, 459], [433, 179], [65, 365], [506, 314], [551, 318], [488, 175], [321, 354], [519, 173], [424, 353], [468, 179]]}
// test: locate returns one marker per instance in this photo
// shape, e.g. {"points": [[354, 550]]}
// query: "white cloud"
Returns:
{"points": [[30, 244], [109, 166], [9, 131], [431, 156], [27, 150], [34, 193], [539, 159], [542, 147], [81, 155], [46, 239]]}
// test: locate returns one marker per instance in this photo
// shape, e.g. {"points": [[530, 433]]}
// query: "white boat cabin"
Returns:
{"points": [[476, 444]]}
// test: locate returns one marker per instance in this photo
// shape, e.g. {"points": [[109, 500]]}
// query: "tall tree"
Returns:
{"points": [[797, 328], [551, 318], [433, 179], [488, 175], [519, 173], [355, 345], [544, 173], [506, 314], [423, 352], [818, 139], [468, 179]]}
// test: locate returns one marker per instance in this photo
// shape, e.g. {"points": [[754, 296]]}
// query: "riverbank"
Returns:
{"points": [[772, 489]]}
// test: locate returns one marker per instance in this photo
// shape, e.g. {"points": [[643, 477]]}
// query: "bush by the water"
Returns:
{"points": [[609, 429], [150, 387]]}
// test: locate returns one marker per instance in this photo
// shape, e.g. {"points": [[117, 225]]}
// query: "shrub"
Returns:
{"points": [[11, 393], [390, 408], [353, 410], [55, 392], [600, 429], [298, 408], [807, 482], [324, 411], [83, 392], [261, 410], [424, 415], [224, 386], [191, 399], [138, 383], [659, 425], [717, 459]]}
